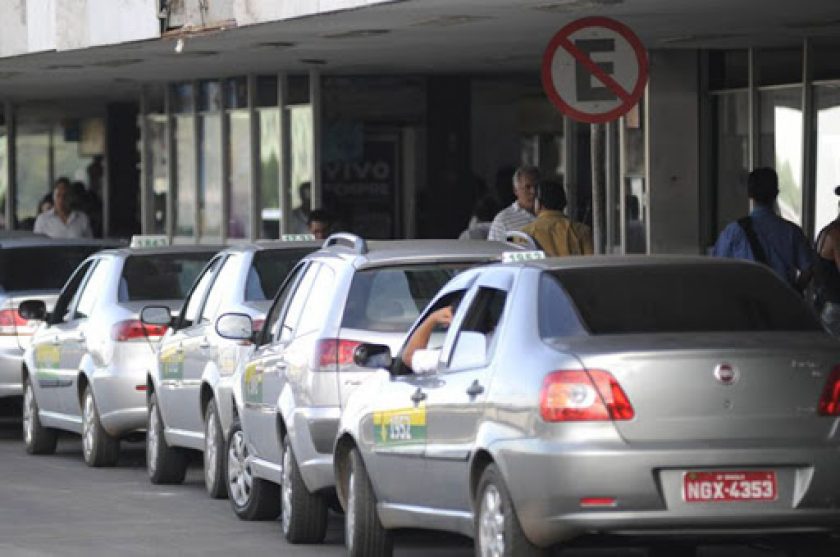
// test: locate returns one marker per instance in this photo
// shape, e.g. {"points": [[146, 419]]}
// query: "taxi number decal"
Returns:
{"points": [[172, 363], [253, 383], [400, 427], [47, 356]]}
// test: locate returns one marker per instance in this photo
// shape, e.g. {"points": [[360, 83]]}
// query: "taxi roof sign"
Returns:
{"points": [[521, 256], [297, 237], [149, 241]]}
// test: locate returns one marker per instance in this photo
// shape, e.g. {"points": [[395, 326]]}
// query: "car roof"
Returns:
{"points": [[180, 248], [22, 239], [260, 245], [389, 252], [589, 261]]}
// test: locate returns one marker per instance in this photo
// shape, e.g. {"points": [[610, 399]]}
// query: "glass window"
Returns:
{"points": [[239, 155], [732, 144], [683, 298], [236, 92], [94, 286], [61, 313], [267, 90], [222, 287], [298, 89], [66, 146], [778, 66], [159, 165], [319, 302], [728, 69], [483, 317], [269, 133], [780, 145], [192, 304], [186, 175], [32, 173], [210, 176], [183, 100], [209, 96], [4, 173], [161, 276], [635, 168], [268, 271], [301, 153], [280, 302], [40, 268], [298, 302], [390, 299], [557, 316], [827, 103], [826, 61]]}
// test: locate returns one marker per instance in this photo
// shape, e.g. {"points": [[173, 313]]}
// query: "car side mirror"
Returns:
{"points": [[156, 315], [470, 351], [372, 356], [33, 310], [235, 326]]}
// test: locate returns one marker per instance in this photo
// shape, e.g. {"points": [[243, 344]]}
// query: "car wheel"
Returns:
{"points": [[251, 498], [304, 515], [813, 546], [497, 529], [98, 447], [214, 452], [36, 438], [364, 534], [164, 464]]}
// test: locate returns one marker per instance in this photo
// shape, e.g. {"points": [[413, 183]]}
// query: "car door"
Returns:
{"points": [[456, 401], [264, 376], [176, 391], [49, 370]]}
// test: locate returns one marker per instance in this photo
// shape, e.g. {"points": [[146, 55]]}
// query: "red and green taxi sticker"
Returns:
{"points": [[253, 387], [172, 363], [404, 426]]}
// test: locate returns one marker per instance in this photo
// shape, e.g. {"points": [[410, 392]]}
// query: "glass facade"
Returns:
{"points": [[185, 176], [239, 178], [4, 176], [827, 106], [780, 145], [33, 176], [732, 153], [269, 179], [210, 177]]}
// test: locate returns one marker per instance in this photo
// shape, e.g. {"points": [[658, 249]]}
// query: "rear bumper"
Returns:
{"points": [[548, 480], [121, 400], [11, 359]]}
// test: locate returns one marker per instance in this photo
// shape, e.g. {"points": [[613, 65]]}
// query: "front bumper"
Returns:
{"points": [[548, 480]]}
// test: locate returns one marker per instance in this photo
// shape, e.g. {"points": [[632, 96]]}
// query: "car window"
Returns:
{"points": [[40, 268], [192, 305], [557, 316], [222, 287], [684, 298], [483, 316], [272, 322], [61, 312], [319, 302], [268, 271], [297, 303], [390, 299], [166, 276], [93, 288]]}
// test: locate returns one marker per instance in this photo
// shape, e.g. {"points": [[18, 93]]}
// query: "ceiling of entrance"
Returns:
{"points": [[410, 36]]}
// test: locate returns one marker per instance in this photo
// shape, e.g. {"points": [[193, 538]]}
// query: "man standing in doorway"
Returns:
{"points": [[555, 233], [62, 221], [521, 212], [765, 237]]}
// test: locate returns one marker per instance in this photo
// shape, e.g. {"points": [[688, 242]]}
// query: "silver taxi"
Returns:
{"points": [[291, 392], [644, 396], [85, 370], [32, 266], [189, 395]]}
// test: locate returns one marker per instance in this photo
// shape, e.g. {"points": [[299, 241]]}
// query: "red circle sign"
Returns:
{"points": [[589, 90]]}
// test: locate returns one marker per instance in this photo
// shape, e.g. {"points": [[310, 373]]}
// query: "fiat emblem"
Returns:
{"points": [[726, 374]]}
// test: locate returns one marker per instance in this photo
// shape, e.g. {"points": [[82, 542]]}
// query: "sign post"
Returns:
{"points": [[595, 70]]}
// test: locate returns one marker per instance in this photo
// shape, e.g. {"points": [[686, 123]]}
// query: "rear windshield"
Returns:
{"points": [[268, 271], [390, 299], [160, 277], [40, 268], [680, 298]]}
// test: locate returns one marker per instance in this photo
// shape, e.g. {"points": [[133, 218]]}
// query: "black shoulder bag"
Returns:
{"points": [[756, 247]]}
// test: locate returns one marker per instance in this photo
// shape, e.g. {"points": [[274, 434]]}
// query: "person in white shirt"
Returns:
{"points": [[416, 355], [62, 221], [521, 212]]}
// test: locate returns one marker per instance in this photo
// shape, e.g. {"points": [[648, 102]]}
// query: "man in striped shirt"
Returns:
{"points": [[521, 212]]}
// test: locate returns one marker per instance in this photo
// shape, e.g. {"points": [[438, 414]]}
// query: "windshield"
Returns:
{"points": [[680, 298], [390, 299], [40, 268], [161, 276], [268, 271]]}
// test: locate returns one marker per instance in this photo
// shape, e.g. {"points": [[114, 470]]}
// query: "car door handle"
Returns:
{"points": [[418, 396], [279, 367], [475, 389], [56, 341], [179, 349], [204, 343], [80, 337]]}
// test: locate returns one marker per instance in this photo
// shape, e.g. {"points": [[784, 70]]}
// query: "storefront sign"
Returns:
{"points": [[595, 69]]}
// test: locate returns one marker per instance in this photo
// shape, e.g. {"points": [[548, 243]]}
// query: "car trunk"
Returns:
{"points": [[671, 382], [351, 376]]}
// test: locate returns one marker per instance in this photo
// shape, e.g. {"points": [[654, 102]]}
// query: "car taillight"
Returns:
{"points": [[11, 323], [133, 329], [334, 352], [577, 395], [830, 399]]}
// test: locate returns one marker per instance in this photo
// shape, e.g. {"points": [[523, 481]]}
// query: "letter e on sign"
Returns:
{"points": [[595, 69]]}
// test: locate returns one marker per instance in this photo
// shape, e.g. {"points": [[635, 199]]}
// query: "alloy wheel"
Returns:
{"points": [[152, 441], [211, 451], [88, 426], [491, 523], [240, 479], [286, 490], [28, 413], [350, 516]]}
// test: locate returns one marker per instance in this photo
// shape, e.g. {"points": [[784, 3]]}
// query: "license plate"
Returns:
{"points": [[725, 487]]}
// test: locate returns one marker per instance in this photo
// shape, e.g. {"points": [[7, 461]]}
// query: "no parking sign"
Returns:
{"points": [[595, 69]]}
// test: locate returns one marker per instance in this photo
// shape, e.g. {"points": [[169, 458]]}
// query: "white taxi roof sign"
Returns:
{"points": [[297, 237], [521, 256], [149, 241]]}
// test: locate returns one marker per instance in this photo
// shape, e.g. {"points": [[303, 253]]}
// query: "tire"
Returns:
{"points": [[214, 454], [36, 438], [364, 534], [814, 546], [497, 529], [304, 516], [99, 449], [251, 498], [164, 464]]}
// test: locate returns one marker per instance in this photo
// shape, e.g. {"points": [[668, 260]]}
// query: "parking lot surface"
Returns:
{"points": [[55, 505]]}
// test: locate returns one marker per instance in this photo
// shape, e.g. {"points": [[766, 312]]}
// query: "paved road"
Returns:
{"points": [[55, 505]]}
